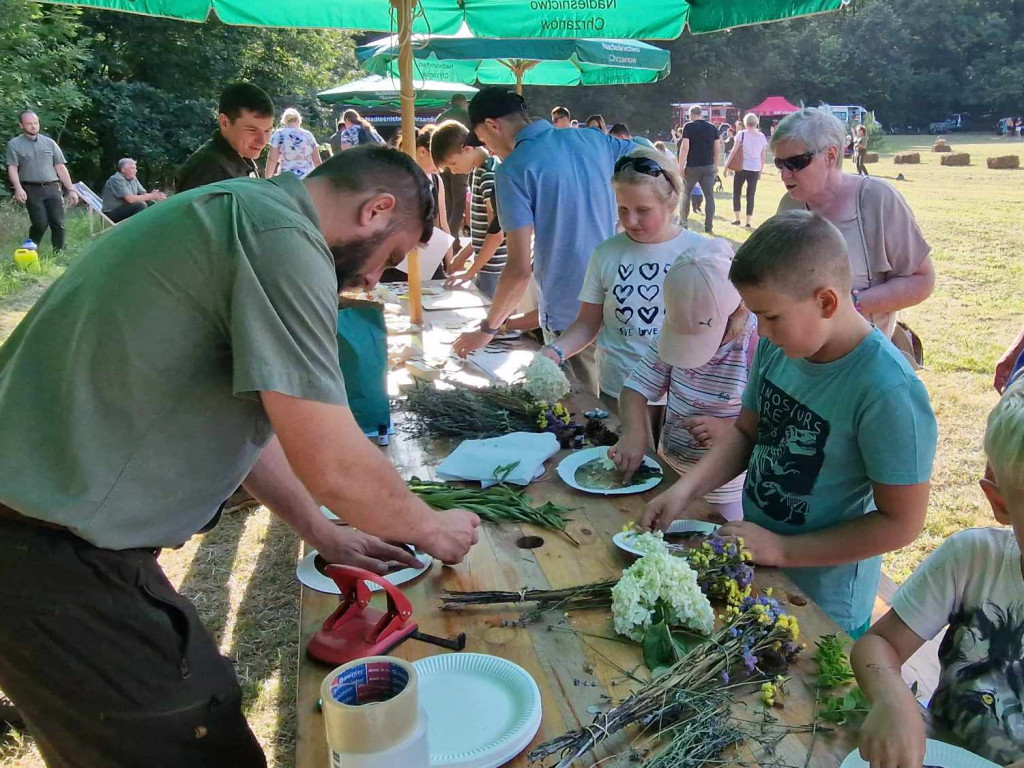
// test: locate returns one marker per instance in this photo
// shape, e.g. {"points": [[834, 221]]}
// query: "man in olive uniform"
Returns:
{"points": [[124, 195], [246, 122], [186, 351], [37, 170]]}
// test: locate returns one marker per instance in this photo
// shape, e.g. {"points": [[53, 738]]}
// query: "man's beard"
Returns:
{"points": [[351, 257]]}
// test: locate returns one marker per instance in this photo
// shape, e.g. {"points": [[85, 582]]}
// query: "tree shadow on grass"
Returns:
{"points": [[265, 646]]}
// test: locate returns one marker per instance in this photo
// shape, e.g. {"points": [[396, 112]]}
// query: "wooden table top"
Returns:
{"points": [[574, 671]]}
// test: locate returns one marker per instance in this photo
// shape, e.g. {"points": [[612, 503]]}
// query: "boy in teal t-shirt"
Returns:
{"points": [[836, 433]]}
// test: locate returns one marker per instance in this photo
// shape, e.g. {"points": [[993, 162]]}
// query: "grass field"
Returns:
{"points": [[241, 574]]}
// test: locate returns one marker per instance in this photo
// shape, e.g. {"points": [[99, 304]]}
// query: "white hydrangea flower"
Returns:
{"points": [[659, 579], [649, 542], [544, 380]]}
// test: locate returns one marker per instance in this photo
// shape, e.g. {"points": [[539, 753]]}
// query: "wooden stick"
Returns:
{"points": [[408, 100]]}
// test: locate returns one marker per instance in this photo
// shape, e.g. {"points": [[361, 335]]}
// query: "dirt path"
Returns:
{"points": [[13, 308]]}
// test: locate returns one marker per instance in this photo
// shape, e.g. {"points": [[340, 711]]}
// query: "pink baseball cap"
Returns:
{"points": [[698, 302]]}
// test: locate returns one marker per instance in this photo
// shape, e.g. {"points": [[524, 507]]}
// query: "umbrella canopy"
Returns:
{"points": [[634, 19], [774, 106], [385, 92], [516, 61]]}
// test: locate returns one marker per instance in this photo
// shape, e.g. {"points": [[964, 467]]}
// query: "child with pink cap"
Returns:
{"points": [[701, 361]]}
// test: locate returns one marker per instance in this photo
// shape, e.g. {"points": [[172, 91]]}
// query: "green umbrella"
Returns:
{"points": [[463, 58], [633, 19], [375, 92]]}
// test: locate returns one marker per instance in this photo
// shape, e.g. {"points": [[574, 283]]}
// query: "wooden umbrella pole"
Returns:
{"points": [[408, 100]]}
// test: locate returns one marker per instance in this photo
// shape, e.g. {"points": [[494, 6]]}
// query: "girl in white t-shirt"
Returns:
{"points": [[622, 305], [753, 144]]}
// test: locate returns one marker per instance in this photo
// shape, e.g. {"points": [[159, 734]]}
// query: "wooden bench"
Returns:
{"points": [[921, 668], [94, 204]]}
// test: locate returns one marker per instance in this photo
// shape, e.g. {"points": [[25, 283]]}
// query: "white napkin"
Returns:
{"points": [[479, 459]]}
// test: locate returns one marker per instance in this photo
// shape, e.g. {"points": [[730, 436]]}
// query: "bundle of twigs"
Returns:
{"points": [[746, 646], [597, 595], [462, 411]]}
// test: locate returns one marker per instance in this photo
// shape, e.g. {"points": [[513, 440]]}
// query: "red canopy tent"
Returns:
{"points": [[774, 106]]}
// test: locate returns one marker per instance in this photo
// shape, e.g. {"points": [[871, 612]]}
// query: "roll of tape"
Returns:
{"points": [[414, 752], [370, 705]]}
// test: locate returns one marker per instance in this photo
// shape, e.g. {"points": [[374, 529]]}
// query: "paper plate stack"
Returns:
{"points": [[483, 710]]}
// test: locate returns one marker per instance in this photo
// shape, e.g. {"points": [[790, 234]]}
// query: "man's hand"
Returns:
{"points": [[706, 430], [893, 736], [471, 341], [452, 536], [767, 548], [21, 195], [461, 258], [457, 279], [72, 197], [628, 454], [348, 546], [156, 196]]}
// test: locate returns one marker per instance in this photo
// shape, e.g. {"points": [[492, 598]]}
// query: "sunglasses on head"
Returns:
{"points": [[796, 162], [645, 166]]}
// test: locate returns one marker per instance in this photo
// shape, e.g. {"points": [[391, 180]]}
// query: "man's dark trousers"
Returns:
{"points": [[705, 176], [124, 210], [45, 210], [107, 664]]}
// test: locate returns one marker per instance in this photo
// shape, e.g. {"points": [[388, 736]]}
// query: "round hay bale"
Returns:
{"points": [[940, 145], [907, 158], [1003, 162], [956, 158], [870, 157]]}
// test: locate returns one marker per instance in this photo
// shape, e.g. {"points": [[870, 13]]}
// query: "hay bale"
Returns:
{"points": [[907, 158], [1003, 162], [940, 145], [870, 157], [956, 158]]}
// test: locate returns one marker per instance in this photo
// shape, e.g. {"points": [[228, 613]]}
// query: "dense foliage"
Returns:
{"points": [[912, 61], [108, 84]]}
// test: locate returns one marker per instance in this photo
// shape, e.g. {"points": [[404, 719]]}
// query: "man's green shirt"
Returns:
{"points": [[129, 395]]}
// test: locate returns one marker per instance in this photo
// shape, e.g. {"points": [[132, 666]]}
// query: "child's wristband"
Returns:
{"points": [[558, 351]]}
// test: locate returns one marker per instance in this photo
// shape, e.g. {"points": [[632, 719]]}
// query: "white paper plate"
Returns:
{"points": [[937, 753], [308, 574], [624, 539], [483, 710], [567, 471]]}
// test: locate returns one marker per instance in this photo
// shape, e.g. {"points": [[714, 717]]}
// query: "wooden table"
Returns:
{"points": [[574, 670]]}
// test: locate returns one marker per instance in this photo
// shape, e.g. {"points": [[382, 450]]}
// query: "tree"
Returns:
{"points": [[43, 56]]}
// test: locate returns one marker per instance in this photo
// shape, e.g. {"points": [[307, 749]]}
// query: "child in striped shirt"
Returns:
{"points": [[700, 360]]}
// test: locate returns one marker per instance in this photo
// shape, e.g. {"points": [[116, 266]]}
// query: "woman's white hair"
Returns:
{"points": [[667, 186], [813, 127], [1004, 440], [751, 120], [291, 115]]}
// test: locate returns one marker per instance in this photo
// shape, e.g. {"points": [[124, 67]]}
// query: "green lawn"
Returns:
{"points": [[240, 575]]}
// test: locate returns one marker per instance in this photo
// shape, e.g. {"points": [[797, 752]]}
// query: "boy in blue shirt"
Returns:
{"points": [[973, 583], [836, 432]]}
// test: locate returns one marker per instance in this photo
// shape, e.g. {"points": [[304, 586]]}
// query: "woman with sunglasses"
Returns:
{"points": [[892, 268], [622, 305]]}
